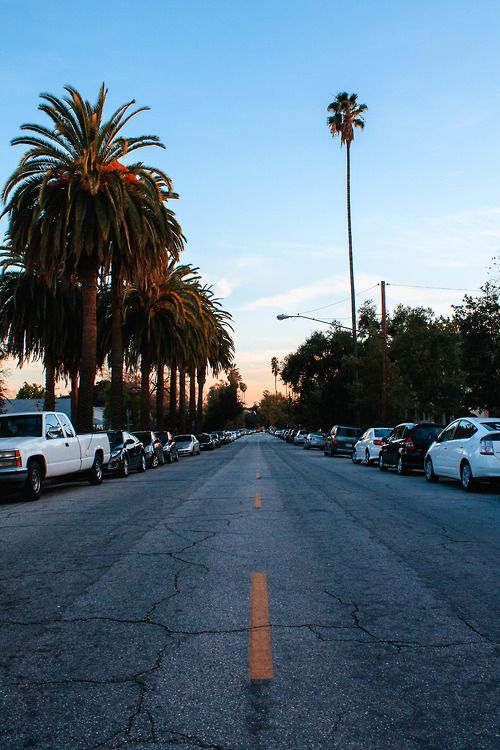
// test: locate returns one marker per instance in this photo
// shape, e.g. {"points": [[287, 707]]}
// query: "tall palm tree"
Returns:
{"points": [[74, 209], [346, 116], [275, 369]]}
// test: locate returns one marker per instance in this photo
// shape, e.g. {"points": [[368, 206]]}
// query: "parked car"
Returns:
{"points": [[314, 440], [406, 446], [35, 446], [206, 442], [127, 453], [215, 437], [341, 440], [170, 451], [153, 448], [300, 437], [467, 450], [367, 449], [187, 445]]}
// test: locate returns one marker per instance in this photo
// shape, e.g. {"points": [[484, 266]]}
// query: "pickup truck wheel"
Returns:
{"points": [[142, 466], [96, 472], [33, 485]]}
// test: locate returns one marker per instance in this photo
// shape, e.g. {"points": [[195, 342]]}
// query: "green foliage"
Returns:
{"points": [[223, 406], [31, 390], [274, 409], [478, 320]]}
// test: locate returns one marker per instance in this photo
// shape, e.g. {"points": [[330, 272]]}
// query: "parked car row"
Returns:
{"points": [[467, 450]]}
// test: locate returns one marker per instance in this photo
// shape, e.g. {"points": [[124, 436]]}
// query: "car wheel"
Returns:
{"points": [[124, 468], [96, 472], [401, 467], [354, 458], [169, 458], [429, 471], [33, 484], [142, 466], [176, 457], [162, 459], [367, 457], [381, 464], [466, 478], [155, 462]]}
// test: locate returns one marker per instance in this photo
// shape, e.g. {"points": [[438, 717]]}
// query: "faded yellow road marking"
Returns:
{"points": [[260, 657], [257, 501], [258, 475]]}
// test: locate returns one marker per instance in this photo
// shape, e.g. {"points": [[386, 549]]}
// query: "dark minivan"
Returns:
{"points": [[341, 440], [406, 446]]}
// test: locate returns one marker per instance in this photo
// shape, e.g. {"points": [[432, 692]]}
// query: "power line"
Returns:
{"points": [[340, 302], [437, 288]]}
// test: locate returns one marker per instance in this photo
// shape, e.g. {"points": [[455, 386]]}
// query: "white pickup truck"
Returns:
{"points": [[44, 445]]}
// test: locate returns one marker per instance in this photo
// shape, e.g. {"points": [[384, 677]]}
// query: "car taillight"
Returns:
{"points": [[334, 441], [409, 444], [486, 447], [377, 442]]}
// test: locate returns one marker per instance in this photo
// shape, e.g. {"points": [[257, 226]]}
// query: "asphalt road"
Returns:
{"points": [[260, 597]]}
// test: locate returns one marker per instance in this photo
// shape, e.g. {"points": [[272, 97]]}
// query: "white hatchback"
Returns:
{"points": [[467, 450], [367, 449]]}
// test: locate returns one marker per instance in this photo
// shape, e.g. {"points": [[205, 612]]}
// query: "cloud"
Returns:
{"points": [[294, 298]]}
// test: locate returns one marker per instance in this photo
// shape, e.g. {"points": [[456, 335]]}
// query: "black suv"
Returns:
{"points": [[341, 440], [406, 446]]}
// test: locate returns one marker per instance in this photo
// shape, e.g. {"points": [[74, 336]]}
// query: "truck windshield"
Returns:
{"points": [[21, 425]]}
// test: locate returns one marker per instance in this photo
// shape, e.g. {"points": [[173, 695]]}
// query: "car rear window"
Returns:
{"points": [[23, 425], [492, 426], [424, 433], [382, 431], [183, 438], [348, 432]]}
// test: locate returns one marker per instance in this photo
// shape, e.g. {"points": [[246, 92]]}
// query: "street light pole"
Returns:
{"points": [[334, 324]]}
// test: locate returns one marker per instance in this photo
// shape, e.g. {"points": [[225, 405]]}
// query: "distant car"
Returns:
{"points": [[300, 436], [187, 445], [127, 453], [314, 440], [206, 441], [367, 449], [467, 450], [153, 449], [169, 446], [341, 440], [406, 446], [215, 437]]}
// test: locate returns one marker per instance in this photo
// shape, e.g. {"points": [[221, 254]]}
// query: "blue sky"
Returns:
{"points": [[238, 93]]}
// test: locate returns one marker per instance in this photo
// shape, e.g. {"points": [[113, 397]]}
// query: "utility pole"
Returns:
{"points": [[385, 357]]}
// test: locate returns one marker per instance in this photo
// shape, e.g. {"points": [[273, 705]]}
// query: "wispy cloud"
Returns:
{"points": [[295, 298]]}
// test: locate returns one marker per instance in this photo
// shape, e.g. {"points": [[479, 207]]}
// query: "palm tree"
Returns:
{"points": [[347, 115], [76, 211], [275, 369], [38, 321]]}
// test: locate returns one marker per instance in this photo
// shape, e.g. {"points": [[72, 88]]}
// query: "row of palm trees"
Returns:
{"points": [[90, 268]]}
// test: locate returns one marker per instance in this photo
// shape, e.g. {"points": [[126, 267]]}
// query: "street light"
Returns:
{"points": [[333, 323]]}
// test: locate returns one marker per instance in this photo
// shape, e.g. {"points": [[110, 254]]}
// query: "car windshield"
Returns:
{"points": [[382, 432], [183, 438], [492, 426], [21, 425], [115, 439], [348, 432]]}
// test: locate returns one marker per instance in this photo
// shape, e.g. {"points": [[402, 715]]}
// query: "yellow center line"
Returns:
{"points": [[257, 501], [260, 657], [258, 475]]}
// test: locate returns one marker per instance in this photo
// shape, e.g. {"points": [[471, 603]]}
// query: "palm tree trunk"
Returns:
{"points": [[201, 376], [173, 397], [49, 403], [88, 280], [182, 399], [351, 263], [74, 396], [192, 399], [145, 395], [117, 411], [160, 395]]}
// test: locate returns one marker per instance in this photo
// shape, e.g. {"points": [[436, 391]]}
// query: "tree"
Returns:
{"points": [[75, 210], [31, 390], [2, 379], [223, 406], [273, 409], [478, 320], [346, 116], [275, 369]]}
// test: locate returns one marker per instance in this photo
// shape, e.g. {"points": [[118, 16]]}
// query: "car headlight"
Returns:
{"points": [[115, 453], [10, 458]]}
